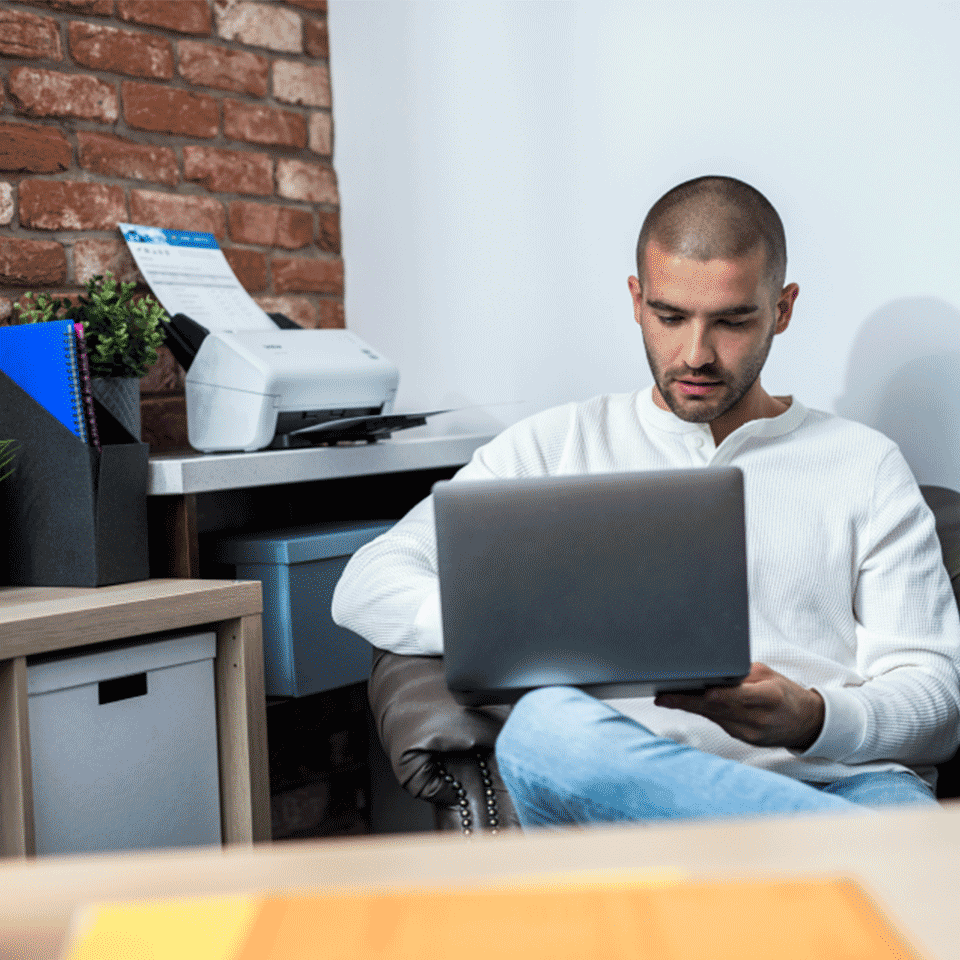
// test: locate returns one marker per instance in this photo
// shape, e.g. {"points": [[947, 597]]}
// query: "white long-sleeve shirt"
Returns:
{"points": [[848, 592]]}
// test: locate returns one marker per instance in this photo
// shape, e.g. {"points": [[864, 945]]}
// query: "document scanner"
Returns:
{"points": [[283, 387], [257, 379]]}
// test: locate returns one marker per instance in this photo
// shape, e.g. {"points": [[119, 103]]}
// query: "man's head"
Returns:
{"points": [[716, 218], [709, 298]]}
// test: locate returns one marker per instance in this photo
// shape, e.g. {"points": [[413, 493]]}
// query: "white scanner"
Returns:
{"points": [[251, 389]]}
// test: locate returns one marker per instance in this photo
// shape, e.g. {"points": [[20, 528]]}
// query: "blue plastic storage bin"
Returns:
{"points": [[304, 651]]}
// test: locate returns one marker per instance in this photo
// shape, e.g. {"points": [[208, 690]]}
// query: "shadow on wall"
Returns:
{"points": [[903, 378]]}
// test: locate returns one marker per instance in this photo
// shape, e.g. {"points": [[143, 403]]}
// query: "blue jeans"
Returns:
{"points": [[568, 758]]}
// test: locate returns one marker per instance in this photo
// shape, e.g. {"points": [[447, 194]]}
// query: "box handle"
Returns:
{"points": [[123, 688]]}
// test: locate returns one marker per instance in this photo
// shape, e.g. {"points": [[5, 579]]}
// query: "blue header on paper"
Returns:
{"points": [[135, 233]]}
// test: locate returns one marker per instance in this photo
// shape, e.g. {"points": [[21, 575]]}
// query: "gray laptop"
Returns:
{"points": [[623, 584]]}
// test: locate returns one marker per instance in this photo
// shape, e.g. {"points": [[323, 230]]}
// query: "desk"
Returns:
{"points": [[908, 861], [174, 482], [45, 619]]}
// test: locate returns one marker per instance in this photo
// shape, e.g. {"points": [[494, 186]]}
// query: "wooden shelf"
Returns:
{"points": [[35, 620]]}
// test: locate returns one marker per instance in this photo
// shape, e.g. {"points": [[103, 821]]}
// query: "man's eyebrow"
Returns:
{"points": [[739, 311]]}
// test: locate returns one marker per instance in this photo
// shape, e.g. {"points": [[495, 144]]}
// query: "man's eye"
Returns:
{"points": [[732, 322], [670, 319]]}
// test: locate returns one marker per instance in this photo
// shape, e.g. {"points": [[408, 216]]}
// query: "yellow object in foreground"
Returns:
{"points": [[828, 919]]}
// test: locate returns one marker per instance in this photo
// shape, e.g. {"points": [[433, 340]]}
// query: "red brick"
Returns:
{"points": [[31, 263], [70, 205], [327, 314], [29, 149], [27, 35], [255, 123], [208, 66], [310, 182], [328, 230], [307, 275], [117, 157], [228, 171], [121, 51], [103, 8], [259, 25], [318, 6], [95, 257], [299, 309], [331, 314], [270, 225], [45, 93], [184, 16], [165, 376], [321, 132], [163, 423], [250, 266], [178, 212], [6, 203], [301, 83], [149, 106], [316, 39]]}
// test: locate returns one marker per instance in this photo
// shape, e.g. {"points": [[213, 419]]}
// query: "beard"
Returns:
{"points": [[732, 385]]}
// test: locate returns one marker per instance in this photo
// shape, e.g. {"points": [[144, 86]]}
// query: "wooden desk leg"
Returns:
{"points": [[242, 731], [16, 776]]}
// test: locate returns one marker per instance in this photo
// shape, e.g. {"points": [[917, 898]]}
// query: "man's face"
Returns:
{"points": [[707, 329]]}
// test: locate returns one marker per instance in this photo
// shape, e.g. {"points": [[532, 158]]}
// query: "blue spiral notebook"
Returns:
{"points": [[41, 358]]}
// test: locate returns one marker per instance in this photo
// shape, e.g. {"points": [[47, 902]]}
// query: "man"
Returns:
{"points": [[854, 695]]}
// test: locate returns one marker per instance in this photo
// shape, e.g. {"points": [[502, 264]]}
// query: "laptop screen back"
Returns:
{"points": [[624, 584]]}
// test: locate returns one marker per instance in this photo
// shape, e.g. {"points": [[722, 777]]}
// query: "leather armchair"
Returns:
{"points": [[442, 752]]}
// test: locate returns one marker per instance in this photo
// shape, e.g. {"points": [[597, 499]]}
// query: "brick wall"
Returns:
{"points": [[209, 115]]}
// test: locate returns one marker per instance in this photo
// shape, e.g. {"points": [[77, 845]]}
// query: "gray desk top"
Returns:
{"points": [[198, 473]]}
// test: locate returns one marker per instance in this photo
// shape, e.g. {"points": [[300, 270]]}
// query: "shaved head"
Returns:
{"points": [[716, 218]]}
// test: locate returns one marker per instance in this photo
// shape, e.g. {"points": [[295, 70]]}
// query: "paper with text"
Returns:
{"points": [[188, 273]]}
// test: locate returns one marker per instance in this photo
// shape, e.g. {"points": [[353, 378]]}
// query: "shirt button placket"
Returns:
{"points": [[698, 447]]}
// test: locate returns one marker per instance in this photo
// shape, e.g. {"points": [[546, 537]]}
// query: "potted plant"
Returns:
{"points": [[122, 336]]}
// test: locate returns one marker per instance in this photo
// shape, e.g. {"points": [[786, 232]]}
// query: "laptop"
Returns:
{"points": [[622, 584]]}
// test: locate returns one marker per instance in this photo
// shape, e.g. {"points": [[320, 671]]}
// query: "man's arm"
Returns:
{"points": [[907, 638], [908, 651], [389, 593]]}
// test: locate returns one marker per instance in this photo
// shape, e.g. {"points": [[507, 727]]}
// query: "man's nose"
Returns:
{"points": [[699, 350]]}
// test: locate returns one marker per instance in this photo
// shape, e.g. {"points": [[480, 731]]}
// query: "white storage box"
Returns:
{"points": [[123, 746]]}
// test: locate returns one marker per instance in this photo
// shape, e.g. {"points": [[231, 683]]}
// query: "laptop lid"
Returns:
{"points": [[623, 584]]}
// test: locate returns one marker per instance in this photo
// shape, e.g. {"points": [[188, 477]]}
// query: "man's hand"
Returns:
{"points": [[766, 709]]}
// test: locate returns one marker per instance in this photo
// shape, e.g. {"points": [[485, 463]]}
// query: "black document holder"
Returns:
{"points": [[74, 517]]}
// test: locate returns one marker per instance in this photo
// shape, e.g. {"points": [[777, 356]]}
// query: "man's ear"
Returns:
{"points": [[784, 308], [636, 294]]}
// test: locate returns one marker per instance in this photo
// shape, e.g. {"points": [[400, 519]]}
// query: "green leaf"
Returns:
{"points": [[122, 334]]}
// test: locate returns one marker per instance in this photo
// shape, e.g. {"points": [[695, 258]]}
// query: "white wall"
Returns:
{"points": [[496, 161]]}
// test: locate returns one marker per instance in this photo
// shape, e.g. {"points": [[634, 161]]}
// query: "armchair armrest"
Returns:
{"points": [[945, 504], [440, 751]]}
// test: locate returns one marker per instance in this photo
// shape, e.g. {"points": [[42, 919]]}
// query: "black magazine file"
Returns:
{"points": [[74, 517]]}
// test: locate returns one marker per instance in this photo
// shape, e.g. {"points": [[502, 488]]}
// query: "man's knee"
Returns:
{"points": [[541, 727], [521, 735]]}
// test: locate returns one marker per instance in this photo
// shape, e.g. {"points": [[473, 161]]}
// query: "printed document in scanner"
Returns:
{"points": [[188, 273]]}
